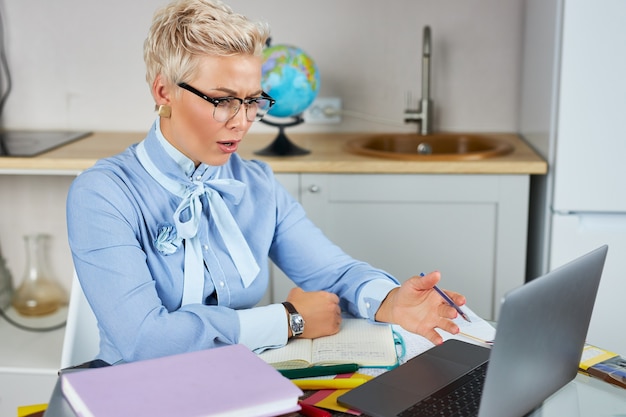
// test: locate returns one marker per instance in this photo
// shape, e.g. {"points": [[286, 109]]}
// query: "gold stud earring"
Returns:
{"points": [[164, 110]]}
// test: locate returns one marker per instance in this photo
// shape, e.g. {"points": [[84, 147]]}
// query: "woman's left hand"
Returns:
{"points": [[418, 308]]}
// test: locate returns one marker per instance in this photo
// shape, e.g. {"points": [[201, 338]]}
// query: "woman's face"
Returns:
{"points": [[191, 128]]}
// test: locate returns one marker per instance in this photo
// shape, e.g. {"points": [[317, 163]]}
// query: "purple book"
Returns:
{"points": [[225, 381]]}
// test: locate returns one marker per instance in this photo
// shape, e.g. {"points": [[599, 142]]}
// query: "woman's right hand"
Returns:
{"points": [[320, 311]]}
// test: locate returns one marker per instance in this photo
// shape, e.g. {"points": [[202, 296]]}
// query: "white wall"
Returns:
{"points": [[77, 64]]}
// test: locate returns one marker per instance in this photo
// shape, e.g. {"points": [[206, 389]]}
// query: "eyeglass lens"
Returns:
{"points": [[255, 108]]}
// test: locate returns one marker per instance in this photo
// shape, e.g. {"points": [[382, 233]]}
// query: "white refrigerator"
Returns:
{"points": [[573, 111]]}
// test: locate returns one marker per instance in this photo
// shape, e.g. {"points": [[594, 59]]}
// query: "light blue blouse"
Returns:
{"points": [[130, 261]]}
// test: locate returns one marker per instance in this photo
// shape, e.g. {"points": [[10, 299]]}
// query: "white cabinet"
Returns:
{"points": [[29, 361], [470, 227]]}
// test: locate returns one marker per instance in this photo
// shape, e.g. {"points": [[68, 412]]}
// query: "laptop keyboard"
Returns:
{"points": [[459, 399]]}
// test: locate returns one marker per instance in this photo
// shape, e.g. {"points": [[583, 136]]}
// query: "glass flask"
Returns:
{"points": [[39, 294], [6, 284]]}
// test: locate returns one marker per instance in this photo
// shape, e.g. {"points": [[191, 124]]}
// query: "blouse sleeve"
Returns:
{"points": [[302, 251]]}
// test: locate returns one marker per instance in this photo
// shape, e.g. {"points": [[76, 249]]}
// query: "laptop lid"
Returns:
{"points": [[540, 336], [539, 339]]}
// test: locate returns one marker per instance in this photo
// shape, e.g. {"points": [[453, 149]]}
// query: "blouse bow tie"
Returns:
{"points": [[187, 220]]}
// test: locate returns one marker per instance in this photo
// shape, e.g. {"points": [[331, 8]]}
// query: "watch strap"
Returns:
{"points": [[290, 308]]}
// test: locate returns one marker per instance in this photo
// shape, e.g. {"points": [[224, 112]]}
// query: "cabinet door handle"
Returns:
{"points": [[314, 189]]}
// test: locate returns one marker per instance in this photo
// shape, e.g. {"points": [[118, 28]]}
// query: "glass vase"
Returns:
{"points": [[39, 294]]}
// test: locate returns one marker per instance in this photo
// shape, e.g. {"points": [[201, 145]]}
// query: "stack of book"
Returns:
{"points": [[225, 381], [603, 364]]}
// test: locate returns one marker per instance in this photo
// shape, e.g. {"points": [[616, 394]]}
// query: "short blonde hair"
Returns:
{"points": [[186, 30]]}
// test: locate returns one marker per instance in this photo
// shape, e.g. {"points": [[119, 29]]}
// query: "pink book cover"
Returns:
{"points": [[224, 381]]}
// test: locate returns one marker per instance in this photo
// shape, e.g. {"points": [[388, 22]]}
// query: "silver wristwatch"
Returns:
{"points": [[296, 322]]}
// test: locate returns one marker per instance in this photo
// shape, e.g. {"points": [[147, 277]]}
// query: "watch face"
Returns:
{"points": [[297, 324]]}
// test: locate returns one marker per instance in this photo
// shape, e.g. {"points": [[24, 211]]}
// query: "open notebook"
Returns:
{"points": [[358, 341]]}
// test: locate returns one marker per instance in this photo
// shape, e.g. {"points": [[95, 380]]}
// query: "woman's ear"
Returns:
{"points": [[161, 94], [161, 91]]}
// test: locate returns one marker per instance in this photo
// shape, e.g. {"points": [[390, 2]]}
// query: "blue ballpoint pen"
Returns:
{"points": [[449, 301]]}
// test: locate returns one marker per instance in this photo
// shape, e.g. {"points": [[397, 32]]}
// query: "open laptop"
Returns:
{"points": [[539, 341]]}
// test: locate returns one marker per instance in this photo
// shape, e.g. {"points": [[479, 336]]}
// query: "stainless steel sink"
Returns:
{"points": [[433, 147]]}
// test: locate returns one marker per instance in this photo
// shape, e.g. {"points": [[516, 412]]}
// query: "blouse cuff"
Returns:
{"points": [[372, 295], [263, 327]]}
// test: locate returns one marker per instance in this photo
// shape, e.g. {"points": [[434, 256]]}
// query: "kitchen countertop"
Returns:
{"points": [[327, 156]]}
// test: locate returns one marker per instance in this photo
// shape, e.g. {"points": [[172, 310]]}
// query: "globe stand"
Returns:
{"points": [[282, 146]]}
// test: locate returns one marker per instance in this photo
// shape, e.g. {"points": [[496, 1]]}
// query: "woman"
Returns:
{"points": [[170, 238]]}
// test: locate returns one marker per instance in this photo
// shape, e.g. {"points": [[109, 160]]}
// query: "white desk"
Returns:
{"points": [[583, 397]]}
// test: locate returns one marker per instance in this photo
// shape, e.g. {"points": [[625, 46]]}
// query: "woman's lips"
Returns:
{"points": [[228, 146]]}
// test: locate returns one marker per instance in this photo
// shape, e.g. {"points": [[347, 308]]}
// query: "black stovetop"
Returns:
{"points": [[33, 142]]}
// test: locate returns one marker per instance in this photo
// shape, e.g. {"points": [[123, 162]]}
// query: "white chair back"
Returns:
{"points": [[82, 338]]}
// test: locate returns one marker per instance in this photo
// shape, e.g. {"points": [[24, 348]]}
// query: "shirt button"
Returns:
{"points": [[368, 305], [205, 247], [198, 177], [222, 284]]}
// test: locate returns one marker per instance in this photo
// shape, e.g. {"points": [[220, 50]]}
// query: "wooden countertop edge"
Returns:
{"points": [[327, 156]]}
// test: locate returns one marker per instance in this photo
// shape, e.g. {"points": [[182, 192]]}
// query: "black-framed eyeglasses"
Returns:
{"points": [[227, 107]]}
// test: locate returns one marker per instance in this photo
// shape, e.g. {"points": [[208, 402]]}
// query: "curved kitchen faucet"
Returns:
{"points": [[424, 114]]}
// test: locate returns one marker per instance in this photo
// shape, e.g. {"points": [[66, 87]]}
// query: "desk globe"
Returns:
{"points": [[291, 77]]}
